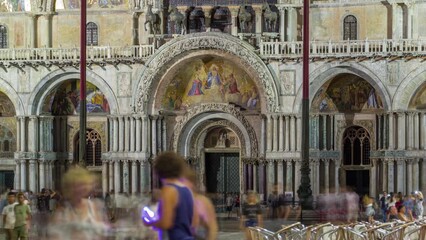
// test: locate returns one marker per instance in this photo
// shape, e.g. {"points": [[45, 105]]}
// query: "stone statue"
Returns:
{"points": [[153, 20], [270, 18], [245, 19], [179, 20]]}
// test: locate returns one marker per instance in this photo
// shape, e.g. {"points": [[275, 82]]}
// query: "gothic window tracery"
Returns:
{"points": [[3, 37], [350, 28], [356, 146], [93, 148], [92, 34]]}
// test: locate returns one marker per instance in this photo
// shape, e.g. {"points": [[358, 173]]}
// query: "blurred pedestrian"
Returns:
{"points": [[9, 215], [251, 214], [22, 217]]}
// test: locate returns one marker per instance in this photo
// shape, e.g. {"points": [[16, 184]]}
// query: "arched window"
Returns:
{"points": [[356, 146], [3, 37], [93, 148], [92, 34], [350, 28]]}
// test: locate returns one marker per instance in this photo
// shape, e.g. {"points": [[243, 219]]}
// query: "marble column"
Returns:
{"points": [[299, 133], [154, 135], [33, 179], [422, 132], [22, 134], [397, 29], [33, 134], [410, 19], [145, 134], [400, 175], [33, 30], [391, 175], [416, 131], [134, 177], [18, 135], [111, 175], [121, 134], [292, 133], [269, 133], [401, 131], [384, 176], [373, 178], [17, 174], [282, 23], [409, 180], [255, 178], [275, 133], [327, 175], [46, 31], [287, 133], [292, 24], [126, 122], [336, 175], [159, 135], [271, 176], [126, 184], [258, 21], [144, 177], [410, 130], [164, 134], [280, 176], [297, 165], [207, 10], [138, 133], [42, 174], [281, 133], [234, 23], [115, 134], [49, 171], [324, 133], [117, 176], [379, 140], [391, 131], [289, 176], [423, 176], [24, 175], [133, 133], [104, 176], [415, 177]]}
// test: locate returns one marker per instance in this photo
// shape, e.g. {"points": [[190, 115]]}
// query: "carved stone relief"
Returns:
{"points": [[124, 83], [287, 82], [226, 43]]}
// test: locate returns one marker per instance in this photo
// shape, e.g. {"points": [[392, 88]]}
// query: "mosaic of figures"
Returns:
{"points": [[7, 140], [419, 99], [347, 93], [15, 5], [65, 99], [6, 106], [74, 4], [211, 79]]}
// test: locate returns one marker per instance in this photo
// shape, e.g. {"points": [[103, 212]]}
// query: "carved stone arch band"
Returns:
{"points": [[245, 130], [170, 52]]}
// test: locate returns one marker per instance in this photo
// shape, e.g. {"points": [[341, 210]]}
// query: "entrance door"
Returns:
{"points": [[6, 179], [359, 181], [222, 176]]}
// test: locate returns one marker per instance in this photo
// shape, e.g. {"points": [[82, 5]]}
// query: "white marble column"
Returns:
{"points": [[117, 176], [255, 178], [132, 134], [33, 30], [391, 175], [384, 175], [410, 19], [409, 180], [380, 131], [289, 176], [287, 133], [373, 178], [416, 131], [111, 175], [46, 31], [423, 176], [104, 176], [324, 132], [164, 134], [282, 23], [258, 20], [401, 175], [33, 179], [401, 131], [271, 176], [110, 134], [24, 175], [18, 135], [159, 135], [292, 24], [415, 176], [292, 133], [268, 133], [126, 122], [49, 169], [154, 135], [144, 177], [336, 175], [138, 134], [126, 184], [391, 131], [327, 175], [410, 135], [275, 133], [115, 134], [317, 177], [17, 174], [134, 177], [145, 134], [33, 134], [280, 176], [22, 134], [234, 23], [297, 175], [299, 133], [42, 174], [397, 28], [281, 133], [121, 134]]}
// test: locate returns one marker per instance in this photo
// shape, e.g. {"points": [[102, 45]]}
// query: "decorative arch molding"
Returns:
{"points": [[195, 117], [56, 78], [326, 72], [408, 87], [168, 53], [342, 125], [13, 96], [198, 137]]}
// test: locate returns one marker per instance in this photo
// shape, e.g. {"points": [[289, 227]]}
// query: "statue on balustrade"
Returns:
{"points": [[179, 21], [244, 18], [270, 18], [153, 20]]}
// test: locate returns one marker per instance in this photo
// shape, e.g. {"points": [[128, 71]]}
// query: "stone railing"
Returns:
{"points": [[218, 2], [319, 2], [95, 53], [352, 48]]}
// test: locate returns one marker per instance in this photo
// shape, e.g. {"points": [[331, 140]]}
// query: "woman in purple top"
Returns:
{"points": [[177, 213]]}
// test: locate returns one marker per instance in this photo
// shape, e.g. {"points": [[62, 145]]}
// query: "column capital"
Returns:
{"points": [[33, 161], [326, 161], [134, 162], [105, 161], [153, 117], [415, 160], [400, 161], [289, 161], [234, 10]]}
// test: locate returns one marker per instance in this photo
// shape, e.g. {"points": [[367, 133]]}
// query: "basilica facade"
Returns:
{"points": [[220, 83]]}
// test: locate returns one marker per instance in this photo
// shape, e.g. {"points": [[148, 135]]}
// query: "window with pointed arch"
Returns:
{"points": [[356, 146], [350, 28], [91, 34], [93, 148], [3, 36]]}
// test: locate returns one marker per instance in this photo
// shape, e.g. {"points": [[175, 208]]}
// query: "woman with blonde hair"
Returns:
{"points": [[251, 213], [78, 217]]}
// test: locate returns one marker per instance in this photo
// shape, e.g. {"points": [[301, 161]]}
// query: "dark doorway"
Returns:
{"points": [[359, 181], [6, 180], [222, 176]]}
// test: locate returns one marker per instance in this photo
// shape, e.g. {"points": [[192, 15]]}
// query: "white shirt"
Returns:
{"points": [[9, 211]]}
